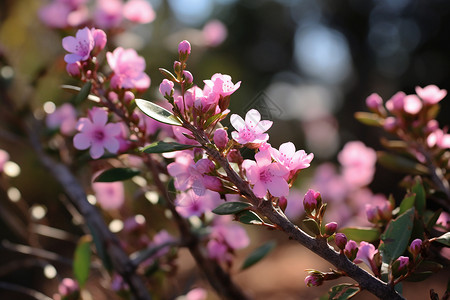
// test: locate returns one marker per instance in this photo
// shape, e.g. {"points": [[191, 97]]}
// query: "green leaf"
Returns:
{"points": [[343, 291], [396, 145], [359, 234], [312, 225], [433, 219], [400, 163], [419, 276], [249, 217], [368, 118], [396, 236], [77, 90], [258, 254], [163, 147], [168, 74], [157, 112], [407, 203], [116, 174], [212, 120], [99, 246], [419, 190], [444, 239], [84, 93], [82, 259], [229, 208]]}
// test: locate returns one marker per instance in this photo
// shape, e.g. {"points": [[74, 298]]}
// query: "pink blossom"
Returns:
{"points": [[366, 253], [161, 238], [96, 134], [291, 159], [266, 176], [189, 204], [351, 249], [214, 33], [108, 13], [188, 77], [431, 94], [196, 294], [128, 69], [412, 104], [374, 101], [439, 138], [358, 163], [99, 40], [67, 287], [64, 118], [184, 48], [251, 130], [396, 103], [166, 88], [226, 237], [80, 46], [110, 195], [403, 262], [390, 124], [416, 247], [4, 157], [179, 169], [74, 69], [55, 14], [221, 84], [139, 11], [444, 220]]}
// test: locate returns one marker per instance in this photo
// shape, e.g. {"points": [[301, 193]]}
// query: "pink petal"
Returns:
{"points": [[112, 145], [259, 189], [263, 126], [99, 116], [69, 43], [96, 150], [237, 122], [81, 141], [113, 129], [252, 118], [278, 187], [288, 149], [263, 158]]}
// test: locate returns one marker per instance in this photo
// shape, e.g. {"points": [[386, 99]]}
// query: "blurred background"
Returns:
{"points": [[308, 65]]}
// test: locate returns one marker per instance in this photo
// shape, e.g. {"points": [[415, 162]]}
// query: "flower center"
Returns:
{"points": [[82, 48], [265, 176], [99, 135]]}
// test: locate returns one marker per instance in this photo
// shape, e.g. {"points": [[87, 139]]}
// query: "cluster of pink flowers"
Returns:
{"points": [[107, 14]]}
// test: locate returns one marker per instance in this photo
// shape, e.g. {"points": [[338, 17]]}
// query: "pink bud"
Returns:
{"points": [[341, 240], [166, 88], [314, 280], [68, 286], [404, 261], [412, 104], [188, 78], [212, 183], [73, 69], [390, 124], [128, 97], [184, 49], [374, 102], [221, 138], [415, 247], [372, 213], [99, 40], [113, 96], [310, 200], [235, 156], [351, 249], [330, 228]]}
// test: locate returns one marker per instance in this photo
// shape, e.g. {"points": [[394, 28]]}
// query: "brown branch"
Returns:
{"points": [[318, 246], [120, 261]]}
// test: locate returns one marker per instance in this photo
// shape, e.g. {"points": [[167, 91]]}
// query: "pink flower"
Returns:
{"points": [[166, 88], [80, 46], [251, 130], [366, 254], [266, 176], [73, 69], [292, 160], [64, 118], [108, 13], [110, 195], [139, 11], [214, 33], [358, 163], [55, 14], [4, 157], [189, 204], [67, 287], [99, 40], [196, 294], [374, 102], [221, 84], [96, 134], [184, 48], [403, 262], [128, 69], [439, 138], [395, 104], [431, 94], [412, 104]]}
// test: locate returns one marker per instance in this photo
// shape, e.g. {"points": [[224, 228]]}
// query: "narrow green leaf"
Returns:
{"points": [[76, 90], [168, 74], [100, 247], [249, 217], [211, 120], [116, 174], [343, 291], [157, 112], [312, 225], [359, 234], [399, 146], [84, 93], [229, 208], [258, 254], [419, 276], [407, 203], [82, 259], [433, 219], [429, 265], [396, 236], [444, 239], [368, 118], [163, 147], [400, 163], [420, 202]]}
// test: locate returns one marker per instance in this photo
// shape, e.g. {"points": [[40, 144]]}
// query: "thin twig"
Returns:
{"points": [[23, 290]]}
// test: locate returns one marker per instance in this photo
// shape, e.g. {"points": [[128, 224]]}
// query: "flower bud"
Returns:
{"points": [[177, 67], [184, 50], [221, 138], [112, 96], [330, 228], [390, 124], [99, 41], [400, 266], [415, 247], [282, 203], [212, 183], [74, 69], [188, 78], [69, 289], [128, 97], [204, 165], [341, 240], [374, 102], [372, 213], [166, 88], [235, 156], [310, 201], [351, 249], [314, 279]]}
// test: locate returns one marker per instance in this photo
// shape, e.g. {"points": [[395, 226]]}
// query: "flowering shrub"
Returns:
{"points": [[183, 159]]}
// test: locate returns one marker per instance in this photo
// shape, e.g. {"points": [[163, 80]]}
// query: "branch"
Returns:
{"points": [[121, 263], [318, 246]]}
